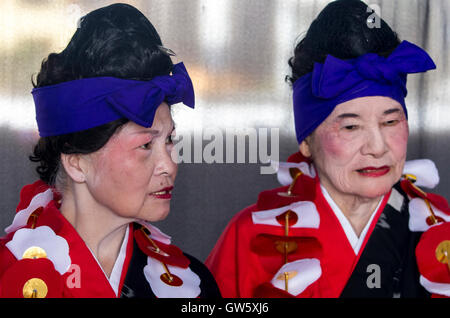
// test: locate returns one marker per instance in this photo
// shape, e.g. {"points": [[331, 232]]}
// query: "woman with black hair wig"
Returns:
{"points": [[349, 219], [106, 172]]}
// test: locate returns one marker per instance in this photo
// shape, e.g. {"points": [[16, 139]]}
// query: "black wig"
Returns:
{"points": [[346, 30], [117, 40]]}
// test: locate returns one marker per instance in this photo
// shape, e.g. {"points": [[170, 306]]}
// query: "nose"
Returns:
{"points": [[165, 166], [375, 144]]}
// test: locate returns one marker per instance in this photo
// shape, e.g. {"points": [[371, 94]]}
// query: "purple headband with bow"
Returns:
{"points": [[90, 102], [336, 81]]}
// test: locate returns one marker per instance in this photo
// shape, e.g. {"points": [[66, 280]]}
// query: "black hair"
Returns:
{"points": [[343, 29], [117, 40]]}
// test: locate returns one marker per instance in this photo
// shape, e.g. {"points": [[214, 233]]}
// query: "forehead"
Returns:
{"points": [[162, 122], [367, 106]]}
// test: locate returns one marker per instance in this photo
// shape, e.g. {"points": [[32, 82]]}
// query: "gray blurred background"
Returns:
{"points": [[236, 52]]}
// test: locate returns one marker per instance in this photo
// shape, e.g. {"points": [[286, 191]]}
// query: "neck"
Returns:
{"points": [[101, 230], [357, 210]]}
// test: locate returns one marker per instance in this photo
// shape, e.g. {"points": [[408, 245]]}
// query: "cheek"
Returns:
{"points": [[334, 148], [120, 169], [135, 171], [398, 140]]}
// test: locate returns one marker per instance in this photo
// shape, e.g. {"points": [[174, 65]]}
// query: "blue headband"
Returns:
{"points": [[336, 81], [90, 102]]}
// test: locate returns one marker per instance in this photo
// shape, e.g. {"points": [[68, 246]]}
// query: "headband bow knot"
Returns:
{"points": [[336, 76], [90, 102], [336, 81]]}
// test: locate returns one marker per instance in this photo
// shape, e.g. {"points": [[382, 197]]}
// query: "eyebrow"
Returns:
{"points": [[392, 111], [352, 115], [154, 132], [347, 115]]}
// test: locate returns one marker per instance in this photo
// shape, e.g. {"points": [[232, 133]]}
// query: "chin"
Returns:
{"points": [[375, 187], [156, 215], [154, 210], [373, 194], [374, 191]]}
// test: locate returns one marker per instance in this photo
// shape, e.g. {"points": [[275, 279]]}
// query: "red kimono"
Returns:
{"points": [[293, 243], [42, 255]]}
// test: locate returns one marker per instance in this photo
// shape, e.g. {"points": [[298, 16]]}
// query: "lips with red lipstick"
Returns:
{"points": [[374, 171], [165, 193]]}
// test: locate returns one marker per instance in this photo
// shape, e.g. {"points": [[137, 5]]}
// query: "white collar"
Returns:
{"points": [[116, 273], [355, 241]]}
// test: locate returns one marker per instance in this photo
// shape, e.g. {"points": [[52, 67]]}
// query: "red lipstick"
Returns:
{"points": [[374, 171], [165, 193]]}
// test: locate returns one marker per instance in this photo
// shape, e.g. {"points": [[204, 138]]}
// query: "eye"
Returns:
{"points": [[351, 127], [391, 122], [146, 146]]}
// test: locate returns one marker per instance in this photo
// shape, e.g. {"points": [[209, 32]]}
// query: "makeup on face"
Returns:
{"points": [[360, 149], [165, 193], [373, 172], [134, 176]]}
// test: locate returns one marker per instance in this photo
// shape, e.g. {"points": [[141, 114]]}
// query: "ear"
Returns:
{"points": [[305, 149], [74, 166]]}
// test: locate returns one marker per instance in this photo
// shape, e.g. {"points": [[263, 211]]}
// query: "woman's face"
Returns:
{"points": [[133, 174], [360, 149]]}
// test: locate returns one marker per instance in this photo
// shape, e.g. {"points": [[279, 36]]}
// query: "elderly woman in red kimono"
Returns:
{"points": [[106, 172], [348, 221]]}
